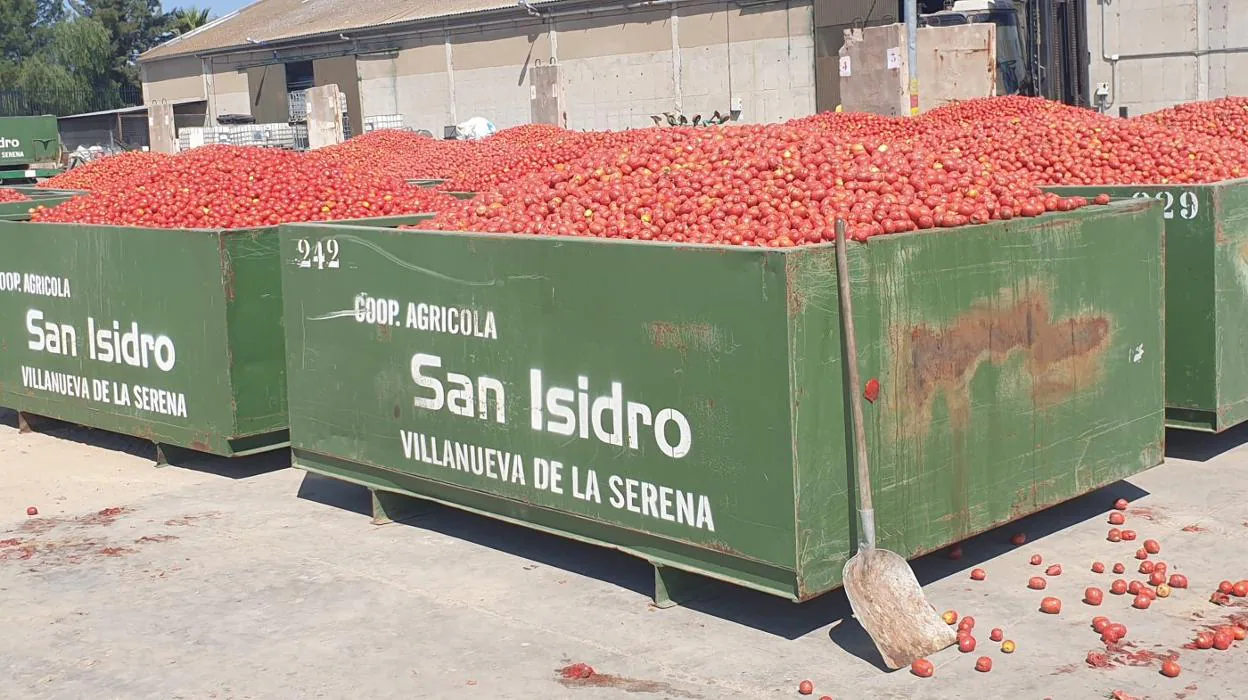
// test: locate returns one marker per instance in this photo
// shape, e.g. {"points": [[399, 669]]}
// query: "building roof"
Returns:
{"points": [[268, 21], [130, 110]]}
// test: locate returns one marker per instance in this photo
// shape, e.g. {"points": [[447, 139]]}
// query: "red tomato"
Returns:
{"points": [[1054, 570], [978, 574], [1240, 589], [1152, 546], [1157, 578], [1147, 567], [805, 688], [1142, 602], [1116, 518], [996, 634], [983, 664], [1170, 668], [966, 644], [1036, 583], [1178, 581], [1128, 535], [1121, 504], [966, 623], [922, 668], [1115, 535], [1222, 639], [1036, 560], [1051, 605], [1093, 596], [1226, 587], [1204, 640], [1119, 568], [1118, 587], [1098, 567]]}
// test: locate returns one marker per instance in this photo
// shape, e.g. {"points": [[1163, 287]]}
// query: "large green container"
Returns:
{"points": [[12, 211], [197, 313], [30, 147], [1206, 299], [521, 377]]}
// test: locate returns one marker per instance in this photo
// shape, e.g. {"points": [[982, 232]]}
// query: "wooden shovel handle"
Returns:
{"points": [[865, 507]]}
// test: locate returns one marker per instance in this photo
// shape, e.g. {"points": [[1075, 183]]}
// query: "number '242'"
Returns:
{"points": [[1186, 205], [321, 255]]}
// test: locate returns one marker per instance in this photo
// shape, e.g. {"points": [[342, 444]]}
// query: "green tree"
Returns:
{"points": [[186, 19], [73, 72], [133, 26], [17, 20]]}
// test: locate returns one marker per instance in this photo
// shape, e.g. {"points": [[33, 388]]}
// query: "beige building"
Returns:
{"points": [[586, 64]]}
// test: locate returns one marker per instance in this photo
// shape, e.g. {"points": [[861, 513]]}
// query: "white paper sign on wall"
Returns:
{"points": [[894, 58], [845, 72]]}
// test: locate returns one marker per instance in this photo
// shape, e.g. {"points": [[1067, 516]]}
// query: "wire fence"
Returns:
{"points": [[15, 102]]}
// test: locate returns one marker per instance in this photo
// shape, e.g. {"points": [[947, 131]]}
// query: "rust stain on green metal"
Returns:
{"points": [[701, 337], [934, 361]]}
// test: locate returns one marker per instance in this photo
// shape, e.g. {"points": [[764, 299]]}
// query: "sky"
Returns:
{"points": [[218, 7]]}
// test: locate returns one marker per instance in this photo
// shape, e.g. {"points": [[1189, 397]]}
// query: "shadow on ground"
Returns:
{"points": [[236, 468], [769, 614], [1201, 447]]}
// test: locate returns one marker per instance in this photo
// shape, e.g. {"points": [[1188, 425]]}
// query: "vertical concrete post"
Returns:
{"points": [[324, 116], [162, 135]]}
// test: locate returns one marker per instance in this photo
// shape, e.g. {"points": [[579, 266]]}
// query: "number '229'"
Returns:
{"points": [[1188, 203], [321, 255]]}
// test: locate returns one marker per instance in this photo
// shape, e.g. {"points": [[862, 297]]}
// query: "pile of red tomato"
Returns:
{"points": [[9, 195], [108, 172], [777, 185], [237, 187], [1223, 118]]}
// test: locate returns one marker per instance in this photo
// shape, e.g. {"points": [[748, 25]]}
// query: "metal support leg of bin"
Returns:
{"points": [[162, 456], [23, 422], [673, 587], [390, 507]]}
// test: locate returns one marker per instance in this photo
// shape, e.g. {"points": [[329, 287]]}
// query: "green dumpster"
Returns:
{"points": [[170, 335], [1206, 299], [686, 404], [39, 197]]}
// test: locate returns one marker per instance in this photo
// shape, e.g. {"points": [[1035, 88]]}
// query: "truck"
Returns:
{"points": [[1041, 44], [30, 149]]}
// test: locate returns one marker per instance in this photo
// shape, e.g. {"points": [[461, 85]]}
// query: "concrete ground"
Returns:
{"points": [[246, 579]]}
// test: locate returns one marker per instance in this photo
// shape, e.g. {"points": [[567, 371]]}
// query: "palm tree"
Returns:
{"points": [[186, 19]]}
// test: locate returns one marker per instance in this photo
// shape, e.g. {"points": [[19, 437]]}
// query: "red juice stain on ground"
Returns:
{"points": [[1194, 528], [584, 676], [1098, 659], [1146, 512]]}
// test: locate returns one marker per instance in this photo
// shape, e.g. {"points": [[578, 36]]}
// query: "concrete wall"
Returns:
{"points": [[763, 55], [1149, 37], [172, 79], [617, 68], [491, 72], [955, 63], [228, 90]]}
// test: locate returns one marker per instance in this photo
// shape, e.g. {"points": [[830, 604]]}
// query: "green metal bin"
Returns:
{"points": [[1206, 299], [170, 335], [686, 404]]}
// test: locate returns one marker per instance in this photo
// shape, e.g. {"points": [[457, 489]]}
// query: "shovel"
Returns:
{"points": [[882, 589]]}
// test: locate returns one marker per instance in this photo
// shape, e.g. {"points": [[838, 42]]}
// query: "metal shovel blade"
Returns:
{"points": [[889, 603]]}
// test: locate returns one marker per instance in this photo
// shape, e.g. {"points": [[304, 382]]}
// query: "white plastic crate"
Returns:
{"points": [[384, 121]]}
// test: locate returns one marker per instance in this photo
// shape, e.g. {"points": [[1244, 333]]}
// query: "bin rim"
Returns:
{"points": [[1119, 204]]}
